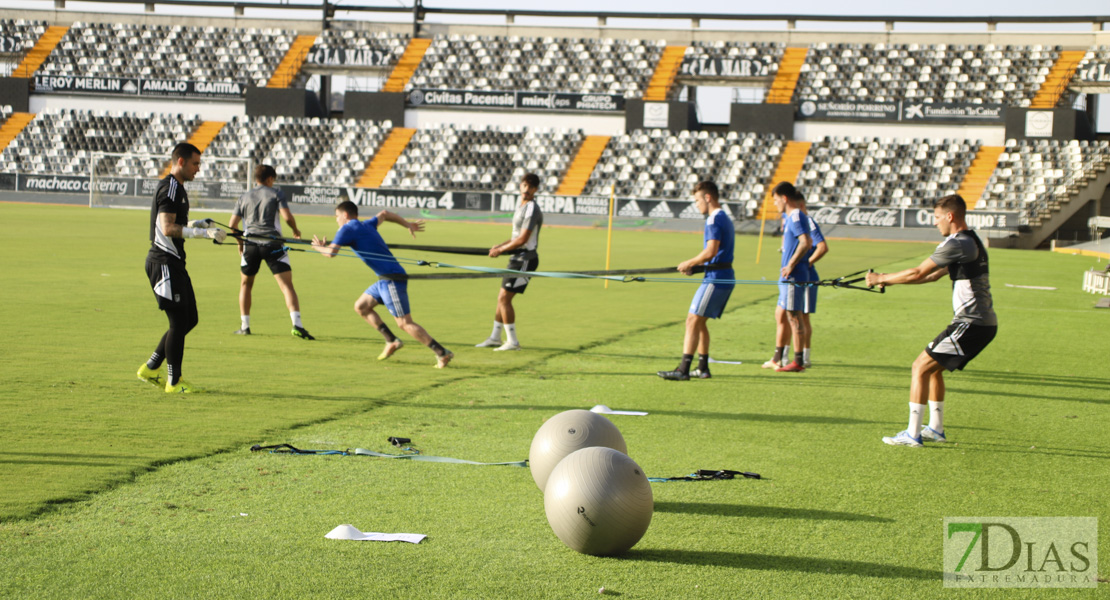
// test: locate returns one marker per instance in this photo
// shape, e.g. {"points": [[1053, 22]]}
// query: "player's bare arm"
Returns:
{"points": [[511, 245], [926, 272], [711, 249], [322, 246], [412, 226], [287, 215]]}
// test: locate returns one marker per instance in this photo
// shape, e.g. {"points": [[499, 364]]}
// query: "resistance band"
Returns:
{"points": [[707, 475], [412, 455]]}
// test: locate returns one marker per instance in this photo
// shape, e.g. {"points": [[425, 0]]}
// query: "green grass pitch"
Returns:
{"points": [[109, 488]]}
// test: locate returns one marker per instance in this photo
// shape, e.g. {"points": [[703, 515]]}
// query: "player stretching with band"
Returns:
{"points": [[165, 266], [711, 297], [527, 221], [258, 210], [963, 258], [392, 288]]}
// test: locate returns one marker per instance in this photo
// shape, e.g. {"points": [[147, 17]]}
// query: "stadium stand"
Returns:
{"points": [[884, 172], [1008, 75], [657, 164], [873, 168], [216, 54], [588, 66], [1032, 176], [485, 159], [308, 151]]}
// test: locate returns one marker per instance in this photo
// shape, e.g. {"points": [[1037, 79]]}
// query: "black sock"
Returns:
{"points": [[155, 361], [778, 354], [684, 366], [798, 358], [438, 349], [386, 333], [703, 363]]}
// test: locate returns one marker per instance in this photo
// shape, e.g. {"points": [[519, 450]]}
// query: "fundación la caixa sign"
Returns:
{"points": [[1021, 552]]}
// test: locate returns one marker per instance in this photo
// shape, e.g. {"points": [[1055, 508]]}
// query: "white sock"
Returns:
{"points": [[245, 320], [805, 355], [296, 316], [936, 416], [510, 330], [917, 414], [786, 354], [496, 335]]}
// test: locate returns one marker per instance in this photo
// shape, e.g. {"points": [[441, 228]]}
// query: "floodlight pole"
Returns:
{"points": [[417, 17]]}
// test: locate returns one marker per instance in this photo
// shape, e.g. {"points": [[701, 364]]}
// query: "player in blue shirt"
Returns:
{"points": [[710, 299], [796, 243], [392, 288], [783, 330]]}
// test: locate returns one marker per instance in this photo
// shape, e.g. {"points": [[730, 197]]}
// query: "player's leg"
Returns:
{"points": [[494, 339], [510, 287], [798, 327], [709, 303], [183, 318], [160, 284], [364, 306], [783, 331], [278, 261], [246, 285], [508, 319], [443, 355]]}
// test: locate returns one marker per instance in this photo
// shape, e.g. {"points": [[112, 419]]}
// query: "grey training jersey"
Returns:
{"points": [[527, 217], [966, 259], [260, 211]]}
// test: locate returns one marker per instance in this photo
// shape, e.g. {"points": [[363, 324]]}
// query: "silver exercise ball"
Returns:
{"points": [[598, 501], [566, 432]]}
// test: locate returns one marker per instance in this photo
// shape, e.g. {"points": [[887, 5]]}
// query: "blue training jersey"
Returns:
{"points": [[363, 238], [718, 226], [796, 225], [817, 237]]}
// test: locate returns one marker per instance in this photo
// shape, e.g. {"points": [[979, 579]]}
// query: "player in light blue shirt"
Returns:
{"points": [[392, 289], [716, 287], [796, 243]]}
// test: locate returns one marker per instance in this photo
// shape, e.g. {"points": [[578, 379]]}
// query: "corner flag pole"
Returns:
{"points": [[609, 239], [762, 223]]}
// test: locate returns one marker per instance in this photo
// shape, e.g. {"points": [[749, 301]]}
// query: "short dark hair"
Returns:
{"points": [[788, 191], [707, 187], [349, 208], [953, 203], [264, 172], [532, 180], [183, 150]]}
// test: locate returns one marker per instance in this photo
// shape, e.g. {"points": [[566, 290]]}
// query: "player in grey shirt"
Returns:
{"points": [[963, 257], [259, 210], [527, 221]]}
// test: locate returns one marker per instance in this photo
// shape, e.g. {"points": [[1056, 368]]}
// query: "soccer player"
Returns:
{"points": [[783, 330], [963, 258], [712, 297], [258, 210], [527, 221], [165, 266], [392, 288], [796, 243]]}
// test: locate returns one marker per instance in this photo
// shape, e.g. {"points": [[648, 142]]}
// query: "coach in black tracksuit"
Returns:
{"points": [[165, 265]]}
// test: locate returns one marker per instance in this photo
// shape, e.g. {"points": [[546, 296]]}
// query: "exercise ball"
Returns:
{"points": [[566, 432], [598, 501]]}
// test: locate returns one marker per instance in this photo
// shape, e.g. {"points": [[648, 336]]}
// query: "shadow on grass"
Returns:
{"points": [[750, 510], [70, 459], [771, 562], [1035, 450]]}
